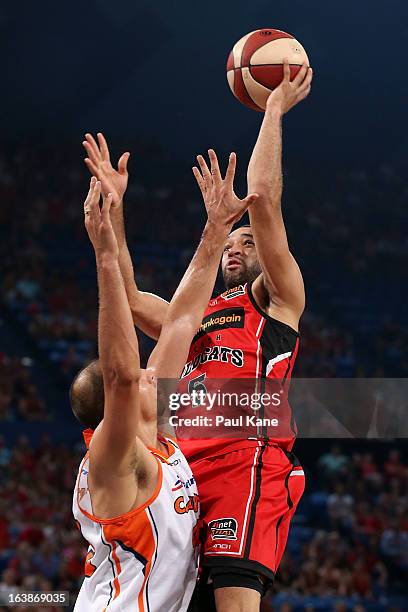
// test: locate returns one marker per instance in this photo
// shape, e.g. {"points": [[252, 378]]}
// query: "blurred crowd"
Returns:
{"points": [[40, 547], [348, 541], [350, 538], [20, 399]]}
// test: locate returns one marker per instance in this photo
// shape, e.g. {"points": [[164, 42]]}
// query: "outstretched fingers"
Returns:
{"points": [[103, 146], [205, 172], [200, 181], [215, 169], [87, 209], [230, 174], [123, 162], [92, 148], [91, 165], [94, 209]]}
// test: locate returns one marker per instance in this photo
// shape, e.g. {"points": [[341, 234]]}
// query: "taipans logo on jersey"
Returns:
{"points": [[223, 319], [183, 505], [223, 529], [232, 293], [225, 354], [179, 484]]}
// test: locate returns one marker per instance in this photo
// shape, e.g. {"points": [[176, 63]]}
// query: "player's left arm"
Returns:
{"points": [[281, 282]]}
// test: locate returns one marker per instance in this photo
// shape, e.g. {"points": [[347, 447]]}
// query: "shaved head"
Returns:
{"points": [[87, 395]]}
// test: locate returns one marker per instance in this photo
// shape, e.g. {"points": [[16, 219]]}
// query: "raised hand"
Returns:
{"points": [[98, 222], [289, 93], [99, 164], [221, 202]]}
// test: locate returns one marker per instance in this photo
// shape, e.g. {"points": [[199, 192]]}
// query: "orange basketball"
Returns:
{"points": [[255, 65]]}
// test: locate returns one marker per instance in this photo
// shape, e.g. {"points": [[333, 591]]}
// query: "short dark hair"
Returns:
{"points": [[87, 395]]}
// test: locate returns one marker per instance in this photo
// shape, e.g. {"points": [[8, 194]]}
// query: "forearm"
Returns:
{"points": [[265, 166], [195, 289], [265, 177], [117, 341]]}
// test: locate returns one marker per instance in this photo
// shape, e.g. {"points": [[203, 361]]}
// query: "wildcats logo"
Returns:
{"points": [[232, 293], [216, 353], [223, 529], [223, 319]]}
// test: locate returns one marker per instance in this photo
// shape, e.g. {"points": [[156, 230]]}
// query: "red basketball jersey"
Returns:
{"points": [[237, 341]]}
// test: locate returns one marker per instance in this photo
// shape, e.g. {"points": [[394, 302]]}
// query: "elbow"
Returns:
{"points": [[268, 192], [122, 376]]}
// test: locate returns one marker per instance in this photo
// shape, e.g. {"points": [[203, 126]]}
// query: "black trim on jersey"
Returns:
{"points": [[292, 458], [290, 506], [155, 558], [228, 562], [276, 338], [292, 416], [138, 556], [289, 364], [113, 568], [266, 316], [257, 495], [172, 443]]}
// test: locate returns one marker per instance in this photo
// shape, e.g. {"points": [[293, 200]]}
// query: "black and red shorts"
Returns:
{"points": [[248, 497]]}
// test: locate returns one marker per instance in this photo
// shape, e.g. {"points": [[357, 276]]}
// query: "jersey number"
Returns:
{"points": [[197, 386]]}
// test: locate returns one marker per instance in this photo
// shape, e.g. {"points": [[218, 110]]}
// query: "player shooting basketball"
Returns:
{"points": [[135, 499], [256, 484]]}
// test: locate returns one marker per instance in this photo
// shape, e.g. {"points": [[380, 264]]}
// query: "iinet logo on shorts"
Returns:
{"points": [[223, 529]]}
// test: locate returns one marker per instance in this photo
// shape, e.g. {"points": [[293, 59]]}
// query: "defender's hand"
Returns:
{"points": [[289, 93], [99, 164], [98, 222], [222, 204]]}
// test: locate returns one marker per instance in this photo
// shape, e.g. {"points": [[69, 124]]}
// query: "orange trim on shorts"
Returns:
{"points": [[132, 512]]}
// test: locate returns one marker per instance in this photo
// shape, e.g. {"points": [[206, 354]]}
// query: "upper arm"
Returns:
{"points": [[281, 274], [149, 312], [114, 444]]}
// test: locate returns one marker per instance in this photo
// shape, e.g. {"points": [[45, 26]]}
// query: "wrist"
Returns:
{"points": [[217, 228], [274, 109], [106, 259]]}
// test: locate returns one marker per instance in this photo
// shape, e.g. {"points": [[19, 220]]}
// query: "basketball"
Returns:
{"points": [[255, 65]]}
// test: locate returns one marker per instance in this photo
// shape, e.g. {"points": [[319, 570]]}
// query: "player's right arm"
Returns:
{"points": [[114, 450], [148, 310], [281, 280]]}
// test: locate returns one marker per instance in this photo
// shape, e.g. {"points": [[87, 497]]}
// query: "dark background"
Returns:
{"points": [[159, 69]]}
